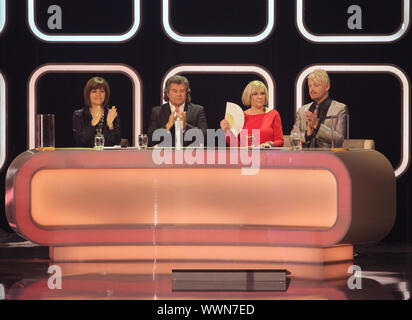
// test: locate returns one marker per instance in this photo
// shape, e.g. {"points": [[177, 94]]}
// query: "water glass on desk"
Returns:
{"points": [[251, 141], [296, 141], [143, 141], [339, 130], [45, 139], [99, 140]]}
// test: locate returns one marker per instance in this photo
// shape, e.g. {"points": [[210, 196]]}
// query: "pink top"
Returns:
{"points": [[270, 126]]}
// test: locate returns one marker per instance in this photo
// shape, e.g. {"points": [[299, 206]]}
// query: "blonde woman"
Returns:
{"points": [[258, 116]]}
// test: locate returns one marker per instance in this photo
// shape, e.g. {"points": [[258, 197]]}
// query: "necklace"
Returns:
{"points": [[97, 113]]}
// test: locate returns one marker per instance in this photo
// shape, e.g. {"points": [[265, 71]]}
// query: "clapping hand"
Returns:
{"points": [[111, 115], [182, 116], [176, 116], [312, 121], [172, 119]]}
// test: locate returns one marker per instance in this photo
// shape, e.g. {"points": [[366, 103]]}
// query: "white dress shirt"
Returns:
{"points": [[178, 126]]}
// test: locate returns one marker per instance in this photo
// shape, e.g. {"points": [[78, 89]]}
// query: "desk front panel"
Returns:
{"points": [[125, 197]]}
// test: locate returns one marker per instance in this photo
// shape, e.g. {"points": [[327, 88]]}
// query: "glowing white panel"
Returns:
{"points": [[382, 68], [385, 38], [84, 68], [86, 37], [170, 32], [225, 69], [3, 116], [2, 15]]}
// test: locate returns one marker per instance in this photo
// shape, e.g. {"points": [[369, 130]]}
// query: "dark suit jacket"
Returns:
{"points": [[195, 119], [84, 132]]}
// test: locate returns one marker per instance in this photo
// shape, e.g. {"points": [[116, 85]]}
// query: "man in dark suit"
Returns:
{"points": [[176, 116]]}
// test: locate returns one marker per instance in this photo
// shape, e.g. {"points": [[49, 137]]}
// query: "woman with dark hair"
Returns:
{"points": [[96, 115]]}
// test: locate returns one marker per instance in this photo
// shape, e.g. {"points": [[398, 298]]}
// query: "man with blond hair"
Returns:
{"points": [[316, 120]]}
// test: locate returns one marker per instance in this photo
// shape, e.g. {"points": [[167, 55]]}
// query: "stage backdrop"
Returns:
{"points": [[50, 48]]}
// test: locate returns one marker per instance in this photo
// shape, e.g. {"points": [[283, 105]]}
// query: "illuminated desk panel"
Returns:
{"points": [[183, 196], [122, 199]]}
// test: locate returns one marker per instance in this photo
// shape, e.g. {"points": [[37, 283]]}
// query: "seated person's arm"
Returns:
{"points": [[325, 133], [113, 135], [201, 122], [297, 127], [83, 131], [277, 132], [195, 129], [155, 124], [231, 140]]}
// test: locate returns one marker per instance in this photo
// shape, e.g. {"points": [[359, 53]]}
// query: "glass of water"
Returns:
{"points": [[251, 141], [143, 141], [99, 140], [296, 141]]}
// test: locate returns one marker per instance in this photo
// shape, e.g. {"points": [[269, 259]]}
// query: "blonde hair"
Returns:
{"points": [[319, 75], [250, 88]]}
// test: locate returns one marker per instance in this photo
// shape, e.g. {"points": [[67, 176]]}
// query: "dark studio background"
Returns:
{"points": [[374, 99]]}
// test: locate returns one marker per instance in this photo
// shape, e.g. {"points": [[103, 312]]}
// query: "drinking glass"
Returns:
{"points": [[339, 130], [99, 140], [251, 141], [143, 141], [296, 141], [45, 132]]}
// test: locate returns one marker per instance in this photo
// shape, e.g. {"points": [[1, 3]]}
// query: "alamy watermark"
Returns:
{"points": [[243, 151], [355, 280], [55, 280], [55, 20]]}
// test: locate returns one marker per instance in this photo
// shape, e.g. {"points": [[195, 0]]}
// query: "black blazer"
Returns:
{"points": [[84, 132], [195, 119]]}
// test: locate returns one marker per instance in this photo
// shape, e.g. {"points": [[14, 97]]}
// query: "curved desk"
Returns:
{"points": [[123, 205]]}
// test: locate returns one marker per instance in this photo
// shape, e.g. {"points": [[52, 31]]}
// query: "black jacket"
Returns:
{"points": [[84, 132], [195, 119]]}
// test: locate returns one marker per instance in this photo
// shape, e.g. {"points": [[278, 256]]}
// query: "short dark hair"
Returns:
{"points": [[177, 80], [96, 83]]}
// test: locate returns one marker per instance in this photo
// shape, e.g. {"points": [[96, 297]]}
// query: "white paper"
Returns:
{"points": [[234, 115]]}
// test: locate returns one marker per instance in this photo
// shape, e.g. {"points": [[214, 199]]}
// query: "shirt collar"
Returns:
{"points": [[173, 108], [325, 103], [323, 106]]}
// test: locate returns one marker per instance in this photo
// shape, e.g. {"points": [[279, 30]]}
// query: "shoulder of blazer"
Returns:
{"points": [[336, 105], [163, 115], [193, 106], [305, 107], [163, 106], [80, 113], [156, 109]]}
